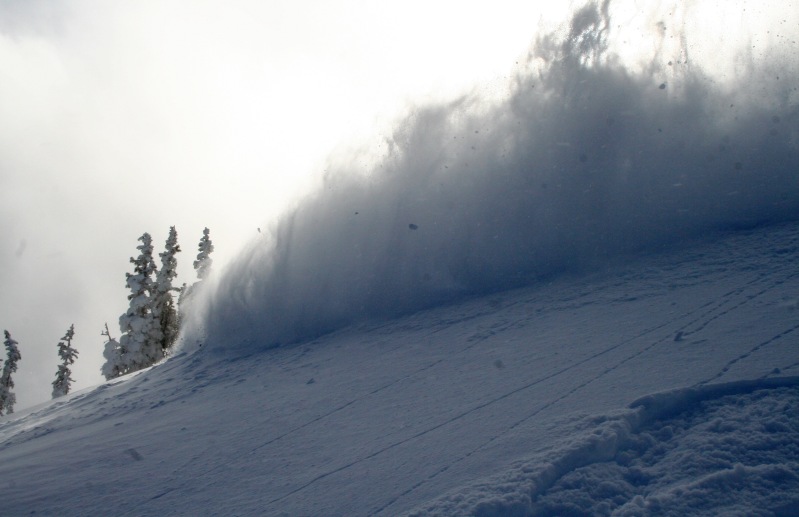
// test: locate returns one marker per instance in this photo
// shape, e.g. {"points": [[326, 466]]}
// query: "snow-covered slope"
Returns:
{"points": [[554, 399], [580, 297]]}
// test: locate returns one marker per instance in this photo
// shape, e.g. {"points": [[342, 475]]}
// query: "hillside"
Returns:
{"points": [[499, 405], [571, 291]]}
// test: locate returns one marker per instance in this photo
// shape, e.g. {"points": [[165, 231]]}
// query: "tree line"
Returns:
{"points": [[149, 327]]}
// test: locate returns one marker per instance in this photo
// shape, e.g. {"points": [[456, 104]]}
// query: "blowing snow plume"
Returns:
{"points": [[590, 155]]}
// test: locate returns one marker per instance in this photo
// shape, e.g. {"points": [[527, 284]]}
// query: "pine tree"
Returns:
{"points": [[112, 352], [164, 304], [63, 377], [203, 267], [140, 344], [184, 292], [203, 263], [7, 397]]}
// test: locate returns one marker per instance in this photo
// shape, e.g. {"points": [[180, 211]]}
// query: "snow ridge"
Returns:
{"points": [[660, 406], [520, 491]]}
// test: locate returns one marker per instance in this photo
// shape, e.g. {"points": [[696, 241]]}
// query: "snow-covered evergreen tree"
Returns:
{"points": [[203, 267], [7, 397], [67, 354], [183, 291], [112, 351], [164, 308], [203, 263], [140, 344]]}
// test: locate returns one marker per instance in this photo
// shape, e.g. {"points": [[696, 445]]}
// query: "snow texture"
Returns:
{"points": [[727, 449]]}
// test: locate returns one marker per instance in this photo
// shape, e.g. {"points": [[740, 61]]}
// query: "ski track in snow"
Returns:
{"points": [[458, 396], [712, 312]]}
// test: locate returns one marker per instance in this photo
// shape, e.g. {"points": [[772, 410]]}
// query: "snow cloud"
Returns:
{"points": [[587, 153], [118, 118]]}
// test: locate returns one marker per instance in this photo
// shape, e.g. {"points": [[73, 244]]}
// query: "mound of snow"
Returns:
{"points": [[710, 450]]}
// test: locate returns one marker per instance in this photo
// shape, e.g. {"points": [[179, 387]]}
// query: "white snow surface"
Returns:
{"points": [[662, 385]]}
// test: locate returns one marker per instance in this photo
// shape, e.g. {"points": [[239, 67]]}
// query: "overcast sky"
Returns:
{"points": [[118, 118]]}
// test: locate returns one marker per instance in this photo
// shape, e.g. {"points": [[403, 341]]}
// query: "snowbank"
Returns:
{"points": [[705, 450]]}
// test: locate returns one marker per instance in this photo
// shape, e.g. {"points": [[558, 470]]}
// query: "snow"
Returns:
{"points": [[578, 298], [724, 449], [584, 161], [571, 395]]}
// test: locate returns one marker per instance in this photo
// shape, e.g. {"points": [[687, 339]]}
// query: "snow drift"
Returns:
{"points": [[587, 157], [723, 448]]}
